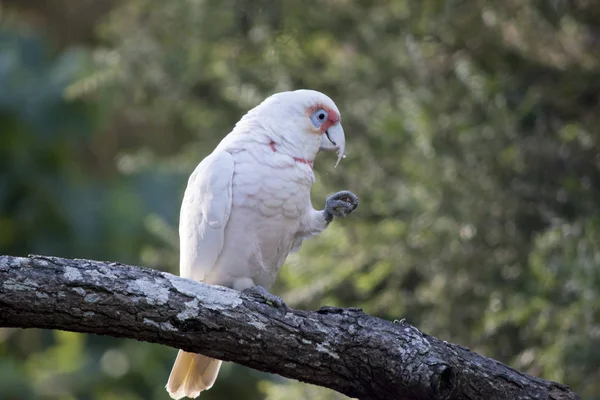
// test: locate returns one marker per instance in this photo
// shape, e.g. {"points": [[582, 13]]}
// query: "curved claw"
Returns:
{"points": [[340, 204], [263, 294]]}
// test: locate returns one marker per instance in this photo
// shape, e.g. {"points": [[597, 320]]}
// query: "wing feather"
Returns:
{"points": [[205, 211]]}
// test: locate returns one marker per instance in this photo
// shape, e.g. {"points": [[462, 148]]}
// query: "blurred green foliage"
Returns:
{"points": [[472, 132]]}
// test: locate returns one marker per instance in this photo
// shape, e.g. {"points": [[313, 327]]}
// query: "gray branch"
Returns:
{"points": [[342, 349]]}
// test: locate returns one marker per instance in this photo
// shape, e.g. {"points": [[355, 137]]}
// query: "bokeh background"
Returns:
{"points": [[472, 141]]}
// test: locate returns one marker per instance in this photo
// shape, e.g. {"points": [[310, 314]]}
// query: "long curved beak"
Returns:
{"points": [[334, 139]]}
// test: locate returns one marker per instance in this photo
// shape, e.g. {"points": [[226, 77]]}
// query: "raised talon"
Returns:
{"points": [[340, 204], [263, 294]]}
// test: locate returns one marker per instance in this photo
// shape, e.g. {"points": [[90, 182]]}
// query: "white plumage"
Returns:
{"points": [[247, 206]]}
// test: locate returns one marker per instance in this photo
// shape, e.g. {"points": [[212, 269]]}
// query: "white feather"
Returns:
{"points": [[204, 215]]}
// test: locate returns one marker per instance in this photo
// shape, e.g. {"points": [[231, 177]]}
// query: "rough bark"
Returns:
{"points": [[342, 349]]}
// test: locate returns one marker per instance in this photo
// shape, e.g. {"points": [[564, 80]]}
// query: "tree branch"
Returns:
{"points": [[342, 349]]}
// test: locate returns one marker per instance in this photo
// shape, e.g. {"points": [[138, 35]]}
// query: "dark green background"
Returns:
{"points": [[472, 140]]}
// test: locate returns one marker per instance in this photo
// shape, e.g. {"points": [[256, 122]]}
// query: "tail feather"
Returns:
{"points": [[191, 374]]}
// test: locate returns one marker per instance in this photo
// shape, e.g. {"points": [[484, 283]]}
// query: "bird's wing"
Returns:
{"points": [[204, 214]]}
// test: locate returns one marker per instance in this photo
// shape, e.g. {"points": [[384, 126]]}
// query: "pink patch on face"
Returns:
{"points": [[332, 116], [272, 144]]}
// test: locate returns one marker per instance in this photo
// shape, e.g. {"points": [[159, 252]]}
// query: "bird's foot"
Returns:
{"points": [[340, 204], [261, 293]]}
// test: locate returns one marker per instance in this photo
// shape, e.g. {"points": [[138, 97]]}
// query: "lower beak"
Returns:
{"points": [[334, 139]]}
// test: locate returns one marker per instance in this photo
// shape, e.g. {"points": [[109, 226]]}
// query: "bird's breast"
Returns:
{"points": [[274, 189], [270, 198]]}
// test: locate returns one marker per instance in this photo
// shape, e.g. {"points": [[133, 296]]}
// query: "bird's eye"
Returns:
{"points": [[319, 117]]}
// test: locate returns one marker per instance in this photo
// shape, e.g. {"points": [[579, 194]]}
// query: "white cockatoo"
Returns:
{"points": [[247, 206]]}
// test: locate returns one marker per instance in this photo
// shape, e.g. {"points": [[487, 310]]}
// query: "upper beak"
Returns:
{"points": [[334, 139]]}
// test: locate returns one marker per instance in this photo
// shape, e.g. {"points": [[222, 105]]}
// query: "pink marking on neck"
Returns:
{"points": [[310, 163], [304, 161]]}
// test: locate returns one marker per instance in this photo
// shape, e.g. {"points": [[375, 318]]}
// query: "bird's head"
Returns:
{"points": [[305, 121]]}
